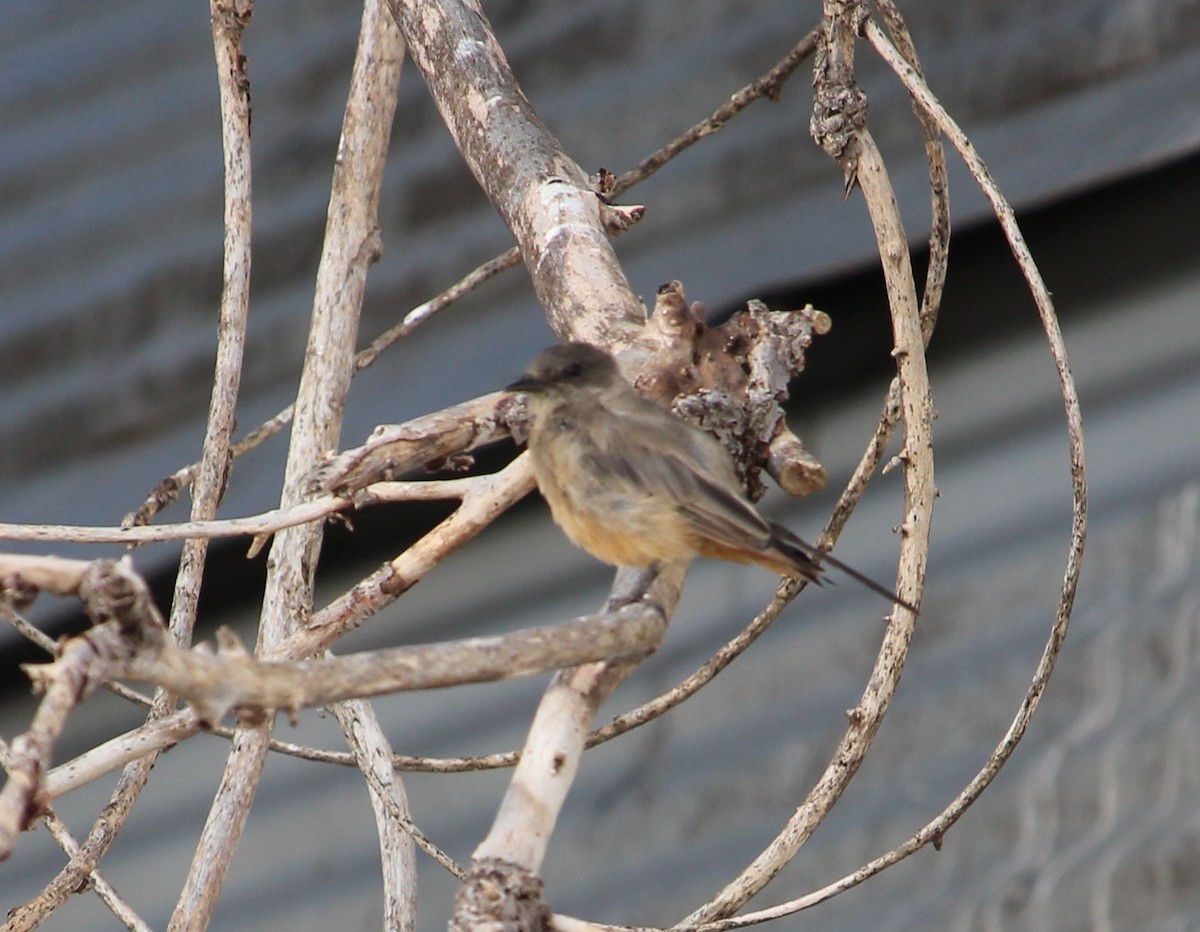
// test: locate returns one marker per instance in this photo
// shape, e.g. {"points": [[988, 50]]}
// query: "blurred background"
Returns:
{"points": [[1088, 114]]}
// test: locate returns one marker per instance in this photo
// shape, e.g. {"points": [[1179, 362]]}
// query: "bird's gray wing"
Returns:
{"points": [[657, 454], [726, 517]]}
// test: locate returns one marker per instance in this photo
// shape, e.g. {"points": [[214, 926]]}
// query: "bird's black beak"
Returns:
{"points": [[526, 383]]}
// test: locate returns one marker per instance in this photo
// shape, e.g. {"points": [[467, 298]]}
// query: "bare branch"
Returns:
{"points": [[769, 85], [393, 450], [838, 124], [939, 230], [351, 245], [267, 522], [502, 888], [212, 476], [422, 312], [120, 604], [400, 817], [79, 871], [117, 752], [490, 497], [643, 714], [539, 192], [232, 678], [32, 751], [212, 473], [557, 737], [397, 851], [867, 716]]}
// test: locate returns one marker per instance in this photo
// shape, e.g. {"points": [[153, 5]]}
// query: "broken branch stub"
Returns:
{"points": [[731, 380]]}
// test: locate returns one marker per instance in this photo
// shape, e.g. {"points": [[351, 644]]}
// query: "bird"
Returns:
{"points": [[636, 486]]}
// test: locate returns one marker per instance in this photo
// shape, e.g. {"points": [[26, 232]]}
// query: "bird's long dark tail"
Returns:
{"points": [[810, 561]]}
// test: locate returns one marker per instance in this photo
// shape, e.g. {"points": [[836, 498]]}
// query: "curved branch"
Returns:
{"points": [[842, 134]]}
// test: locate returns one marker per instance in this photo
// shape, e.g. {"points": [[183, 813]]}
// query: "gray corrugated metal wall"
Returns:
{"points": [[109, 270]]}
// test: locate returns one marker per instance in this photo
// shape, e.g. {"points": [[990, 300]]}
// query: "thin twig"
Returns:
{"points": [[350, 246], [420, 839], [267, 522], [856, 151], [422, 312], [769, 85], [108, 895]]}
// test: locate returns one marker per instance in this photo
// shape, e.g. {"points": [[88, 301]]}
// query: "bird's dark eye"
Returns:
{"points": [[573, 370]]}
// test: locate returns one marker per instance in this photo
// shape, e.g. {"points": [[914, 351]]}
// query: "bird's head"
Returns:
{"points": [[566, 367]]}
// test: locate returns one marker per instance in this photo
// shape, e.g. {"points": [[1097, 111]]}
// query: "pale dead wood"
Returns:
{"points": [[503, 888], [116, 752], [647, 712], [117, 904], [731, 380], [769, 86], [267, 522], [935, 155], [839, 126], [545, 199], [485, 499], [351, 245], [216, 459], [389, 802], [233, 679], [119, 603], [23, 576], [428, 441], [400, 817], [80, 872], [422, 312], [558, 735], [484, 502], [31, 752]]}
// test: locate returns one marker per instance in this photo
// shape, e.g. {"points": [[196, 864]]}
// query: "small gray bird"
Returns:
{"points": [[635, 486]]}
